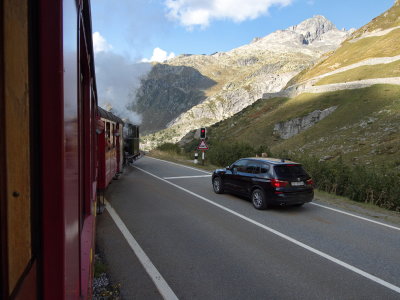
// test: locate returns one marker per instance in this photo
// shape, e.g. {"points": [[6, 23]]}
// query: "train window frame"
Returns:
{"points": [[113, 136], [107, 135]]}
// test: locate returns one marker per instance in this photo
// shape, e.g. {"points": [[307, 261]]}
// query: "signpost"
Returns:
{"points": [[202, 146]]}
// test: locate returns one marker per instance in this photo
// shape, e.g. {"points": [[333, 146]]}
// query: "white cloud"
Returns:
{"points": [[100, 44], [192, 13], [159, 55], [117, 79]]}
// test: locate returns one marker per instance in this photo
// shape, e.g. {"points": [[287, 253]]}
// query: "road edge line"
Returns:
{"points": [[288, 238], [355, 216], [162, 286]]}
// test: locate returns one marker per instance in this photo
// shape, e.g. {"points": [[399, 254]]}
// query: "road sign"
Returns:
{"points": [[203, 145]]}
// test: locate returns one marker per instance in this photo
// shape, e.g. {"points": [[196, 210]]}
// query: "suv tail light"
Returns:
{"points": [[310, 182], [278, 183]]}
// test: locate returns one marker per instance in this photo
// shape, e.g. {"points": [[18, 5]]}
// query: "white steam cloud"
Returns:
{"points": [[190, 13], [117, 79]]}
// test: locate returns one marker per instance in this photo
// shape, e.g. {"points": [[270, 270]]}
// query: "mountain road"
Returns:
{"points": [[166, 234]]}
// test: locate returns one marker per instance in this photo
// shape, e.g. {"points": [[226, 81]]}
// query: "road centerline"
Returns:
{"points": [[186, 177], [286, 237], [170, 162]]}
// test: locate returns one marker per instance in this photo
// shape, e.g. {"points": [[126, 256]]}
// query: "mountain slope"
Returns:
{"points": [[244, 74], [167, 92], [361, 125], [346, 106]]}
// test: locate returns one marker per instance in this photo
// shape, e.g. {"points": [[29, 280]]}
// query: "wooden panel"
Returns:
{"points": [[17, 137], [3, 183]]}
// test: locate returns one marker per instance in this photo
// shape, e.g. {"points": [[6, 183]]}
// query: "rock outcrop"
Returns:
{"points": [[285, 130], [167, 92]]}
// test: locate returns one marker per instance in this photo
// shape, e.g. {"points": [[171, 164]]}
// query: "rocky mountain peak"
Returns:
{"points": [[317, 32], [312, 29]]}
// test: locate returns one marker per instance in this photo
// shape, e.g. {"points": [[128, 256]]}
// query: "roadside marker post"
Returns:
{"points": [[196, 157]]}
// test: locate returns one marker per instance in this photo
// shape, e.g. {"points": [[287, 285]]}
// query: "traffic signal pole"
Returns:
{"points": [[203, 146]]}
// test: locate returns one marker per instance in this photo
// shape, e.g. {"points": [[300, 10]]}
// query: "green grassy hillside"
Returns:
{"points": [[364, 72], [360, 46], [364, 129], [353, 52], [388, 19]]}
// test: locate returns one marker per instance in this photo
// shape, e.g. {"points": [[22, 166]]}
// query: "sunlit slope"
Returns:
{"points": [[378, 39], [363, 72], [363, 128]]}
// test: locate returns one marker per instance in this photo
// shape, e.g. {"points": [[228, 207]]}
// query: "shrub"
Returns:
{"points": [[169, 147], [376, 185], [224, 153]]}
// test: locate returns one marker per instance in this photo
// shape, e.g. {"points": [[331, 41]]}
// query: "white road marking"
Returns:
{"points": [[313, 203], [170, 162], [162, 286], [184, 177], [355, 216], [286, 237]]}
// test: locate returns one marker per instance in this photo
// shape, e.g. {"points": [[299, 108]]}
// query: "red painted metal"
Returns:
{"points": [[87, 248], [68, 156], [52, 141]]}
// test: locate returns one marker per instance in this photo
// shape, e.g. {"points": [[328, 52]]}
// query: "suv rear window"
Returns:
{"points": [[289, 171]]}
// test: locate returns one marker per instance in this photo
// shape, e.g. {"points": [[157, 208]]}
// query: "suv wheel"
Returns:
{"points": [[217, 185], [258, 199]]}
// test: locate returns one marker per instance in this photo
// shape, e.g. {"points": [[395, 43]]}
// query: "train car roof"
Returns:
{"points": [[109, 116]]}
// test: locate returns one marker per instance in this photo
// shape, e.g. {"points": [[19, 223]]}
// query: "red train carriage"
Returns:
{"points": [[110, 142], [47, 149]]}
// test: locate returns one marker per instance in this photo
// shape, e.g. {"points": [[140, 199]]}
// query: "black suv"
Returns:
{"points": [[267, 181]]}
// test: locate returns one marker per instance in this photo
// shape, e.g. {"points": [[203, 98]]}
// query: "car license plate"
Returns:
{"points": [[298, 183]]}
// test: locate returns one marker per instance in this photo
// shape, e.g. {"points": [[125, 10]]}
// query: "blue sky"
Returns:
{"points": [[134, 28], [128, 34]]}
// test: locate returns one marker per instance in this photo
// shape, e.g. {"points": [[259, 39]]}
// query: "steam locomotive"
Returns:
{"points": [[58, 149]]}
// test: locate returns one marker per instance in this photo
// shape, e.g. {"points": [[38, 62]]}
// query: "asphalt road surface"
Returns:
{"points": [[166, 234]]}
